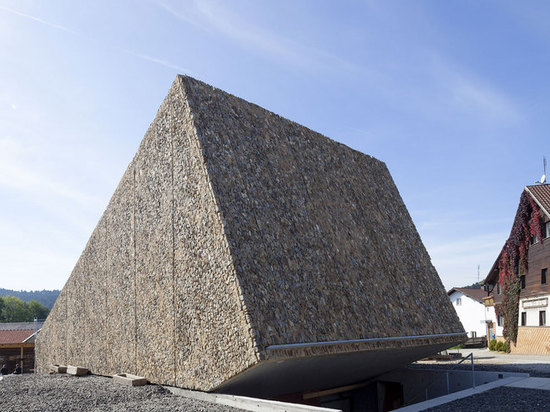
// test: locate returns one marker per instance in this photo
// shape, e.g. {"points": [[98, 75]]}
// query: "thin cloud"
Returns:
{"points": [[456, 261], [16, 173], [23, 263], [474, 94], [477, 96], [427, 220], [45, 192], [161, 62], [141, 56], [37, 19], [209, 16], [467, 246], [181, 16]]}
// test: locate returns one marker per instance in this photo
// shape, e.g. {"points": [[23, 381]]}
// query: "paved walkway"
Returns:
{"points": [[484, 356], [539, 363], [519, 382], [532, 383]]}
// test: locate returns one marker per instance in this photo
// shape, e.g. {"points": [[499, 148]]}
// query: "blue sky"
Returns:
{"points": [[452, 95]]}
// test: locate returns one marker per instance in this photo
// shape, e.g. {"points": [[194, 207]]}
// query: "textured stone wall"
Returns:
{"points": [[51, 347], [213, 334], [155, 292], [323, 243], [232, 230]]}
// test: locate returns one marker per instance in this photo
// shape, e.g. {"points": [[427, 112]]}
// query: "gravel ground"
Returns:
{"points": [[63, 392], [38, 392], [501, 399]]}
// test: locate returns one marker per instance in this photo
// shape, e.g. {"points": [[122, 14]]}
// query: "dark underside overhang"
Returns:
{"points": [[279, 375]]}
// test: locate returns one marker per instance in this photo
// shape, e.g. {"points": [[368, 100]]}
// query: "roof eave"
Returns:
{"points": [[537, 202]]}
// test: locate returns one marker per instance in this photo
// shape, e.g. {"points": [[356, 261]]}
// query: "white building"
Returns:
{"points": [[472, 312], [532, 311]]}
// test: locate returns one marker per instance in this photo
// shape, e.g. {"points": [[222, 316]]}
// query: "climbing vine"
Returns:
{"points": [[513, 261]]}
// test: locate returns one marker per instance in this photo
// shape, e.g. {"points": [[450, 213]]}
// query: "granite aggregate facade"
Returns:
{"points": [[234, 229]]}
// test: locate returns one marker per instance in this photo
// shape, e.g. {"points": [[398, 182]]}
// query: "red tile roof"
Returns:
{"points": [[21, 325], [475, 294], [541, 193], [15, 336]]}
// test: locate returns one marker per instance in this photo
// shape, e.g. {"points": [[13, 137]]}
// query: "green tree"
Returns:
{"points": [[1, 309], [37, 310], [15, 310]]}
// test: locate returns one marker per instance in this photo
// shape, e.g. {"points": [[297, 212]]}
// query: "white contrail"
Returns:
{"points": [[164, 63], [138, 55], [28, 16]]}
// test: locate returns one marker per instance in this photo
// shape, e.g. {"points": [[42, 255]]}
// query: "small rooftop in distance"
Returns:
{"points": [[15, 336], [475, 294], [18, 332], [21, 326]]}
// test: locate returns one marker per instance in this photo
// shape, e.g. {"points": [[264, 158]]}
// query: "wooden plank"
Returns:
{"points": [[538, 258]]}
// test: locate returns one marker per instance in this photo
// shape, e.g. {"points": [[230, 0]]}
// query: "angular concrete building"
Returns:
{"points": [[244, 253]]}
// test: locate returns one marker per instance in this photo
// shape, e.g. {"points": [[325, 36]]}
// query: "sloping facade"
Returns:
{"points": [[241, 249]]}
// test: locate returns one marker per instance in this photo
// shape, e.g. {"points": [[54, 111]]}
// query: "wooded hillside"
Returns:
{"points": [[45, 297]]}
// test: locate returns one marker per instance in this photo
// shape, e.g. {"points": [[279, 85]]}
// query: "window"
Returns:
{"points": [[499, 290], [523, 318], [547, 231], [458, 301], [542, 318], [543, 276], [522, 280], [534, 239], [500, 320]]}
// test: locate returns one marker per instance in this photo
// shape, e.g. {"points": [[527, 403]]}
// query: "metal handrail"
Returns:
{"points": [[471, 357]]}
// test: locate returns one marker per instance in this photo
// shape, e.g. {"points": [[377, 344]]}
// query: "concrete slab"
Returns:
{"points": [[532, 383], [248, 403], [58, 368], [76, 370], [485, 356], [129, 380], [431, 403]]}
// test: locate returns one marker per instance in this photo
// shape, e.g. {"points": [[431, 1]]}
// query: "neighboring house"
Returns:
{"points": [[471, 310], [17, 344], [525, 257]]}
